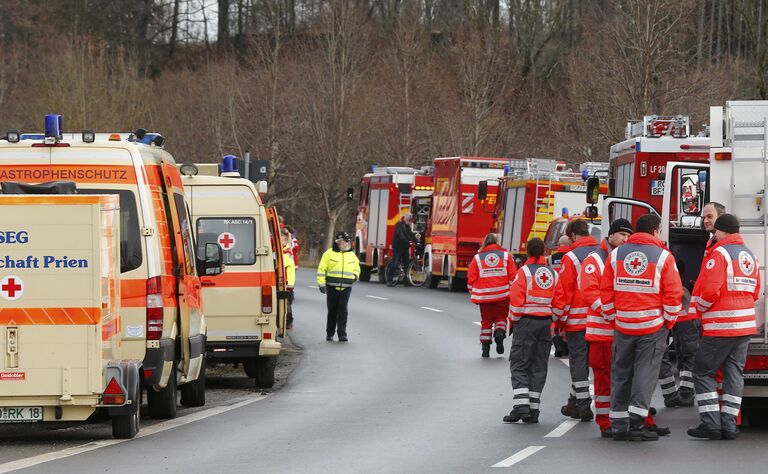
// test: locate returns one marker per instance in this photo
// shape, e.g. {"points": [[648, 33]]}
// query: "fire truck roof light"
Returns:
{"points": [[114, 137], [53, 126]]}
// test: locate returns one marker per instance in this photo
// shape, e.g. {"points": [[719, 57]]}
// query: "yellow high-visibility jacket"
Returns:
{"points": [[338, 269], [290, 267]]}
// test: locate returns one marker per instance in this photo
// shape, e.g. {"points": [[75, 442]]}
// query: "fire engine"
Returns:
{"points": [[735, 175], [459, 219], [386, 195], [535, 193]]}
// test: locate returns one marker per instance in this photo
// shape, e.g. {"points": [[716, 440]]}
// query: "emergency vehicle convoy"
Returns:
{"points": [[386, 196], [161, 323], [245, 308]]}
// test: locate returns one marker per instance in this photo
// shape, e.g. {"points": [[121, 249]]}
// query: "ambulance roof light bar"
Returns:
{"points": [[229, 167], [656, 126]]}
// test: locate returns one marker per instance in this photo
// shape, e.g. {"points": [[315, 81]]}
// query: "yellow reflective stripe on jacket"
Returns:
{"points": [[290, 268], [338, 269]]}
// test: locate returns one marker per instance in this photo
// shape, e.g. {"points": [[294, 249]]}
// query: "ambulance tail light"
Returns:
{"points": [[266, 299], [113, 393], [154, 308], [756, 363], [723, 156]]}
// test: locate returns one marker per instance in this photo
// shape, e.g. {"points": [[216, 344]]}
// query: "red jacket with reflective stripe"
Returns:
{"points": [[730, 285], [568, 304], [641, 289], [693, 312], [532, 291], [598, 329], [489, 275]]}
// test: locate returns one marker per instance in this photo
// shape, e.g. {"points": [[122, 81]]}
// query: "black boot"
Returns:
{"points": [[730, 435], [659, 430], [642, 434], [686, 397], [570, 410], [585, 414], [498, 336], [516, 415], [703, 432], [486, 349], [672, 400]]}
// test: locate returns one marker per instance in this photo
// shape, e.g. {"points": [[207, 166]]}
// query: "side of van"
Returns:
{"points": [[162, 323], [244, 308]]}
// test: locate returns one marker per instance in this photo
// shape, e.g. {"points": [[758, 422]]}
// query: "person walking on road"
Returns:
{"points": [[531, 314], [730, 286], [401, 244], [488, 279], [556, 261], [641, 294], [290, 272], [339, 269], [570, 307]]}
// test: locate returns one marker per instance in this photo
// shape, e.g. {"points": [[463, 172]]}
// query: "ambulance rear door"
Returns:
{"points": [[281, 283]]}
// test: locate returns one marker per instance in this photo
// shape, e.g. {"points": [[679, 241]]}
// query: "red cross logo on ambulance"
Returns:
{"points": [[635, 263], [543, 278], [746, 262], [11, 288], [226, 240], [491, 260]]}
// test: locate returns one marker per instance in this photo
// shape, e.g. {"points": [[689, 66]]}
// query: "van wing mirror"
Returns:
{"points": [[593, 190], [591, 212], [482, 190], [212, 264]]}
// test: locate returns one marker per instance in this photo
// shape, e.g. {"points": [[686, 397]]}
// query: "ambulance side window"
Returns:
{"points": [[186, 237], [130, 234], [235, 236]]}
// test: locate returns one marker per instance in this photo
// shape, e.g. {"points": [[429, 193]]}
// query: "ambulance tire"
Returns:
{"points": [[127, 426], [264, 375], [433, 281], [162, 404], [457, 284], [365, 273], [193, 393]]}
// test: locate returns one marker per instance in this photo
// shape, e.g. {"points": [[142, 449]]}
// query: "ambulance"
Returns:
{"points": [[162, 323], [245, 307], [62, 357]]}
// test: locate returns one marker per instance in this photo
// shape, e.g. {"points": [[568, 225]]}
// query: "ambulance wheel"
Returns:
{"points": [[261, 370], [433, 281], [365, 273], [127, 426], [457, 284], [162, 403], [193, 393], [382, 272]]}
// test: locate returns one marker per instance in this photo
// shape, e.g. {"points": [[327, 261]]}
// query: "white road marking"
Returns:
{"points": [[432, 309], [563, 428], [475, 322], [377, 297], [148, 431], [313, 286], [567, 362], [519, 456]]}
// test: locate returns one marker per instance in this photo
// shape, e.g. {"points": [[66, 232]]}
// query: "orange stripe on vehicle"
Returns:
{"points": [[58, 201], [241, 280], [48, 316], [87, 173], [133, 293]]}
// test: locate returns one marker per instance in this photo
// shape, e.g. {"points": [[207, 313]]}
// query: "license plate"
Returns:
{"points": [[21, 414]]}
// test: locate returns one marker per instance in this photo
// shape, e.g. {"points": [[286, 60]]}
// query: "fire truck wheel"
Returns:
{"points": [[754, 411], [193, 393], [457, 284], [127, 426], [162, 404], [382, 272], [365, 273], [261, 370], [433, 281]]}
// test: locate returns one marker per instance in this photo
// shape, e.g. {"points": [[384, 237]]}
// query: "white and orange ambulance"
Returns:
{"points": [[245, 306], [163, 326]]}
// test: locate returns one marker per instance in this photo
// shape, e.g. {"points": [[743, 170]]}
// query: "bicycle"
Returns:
{"points": [[398, 275], [417, 271]]}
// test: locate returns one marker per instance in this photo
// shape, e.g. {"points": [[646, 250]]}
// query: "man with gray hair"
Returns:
{"points": [[401, 243]]}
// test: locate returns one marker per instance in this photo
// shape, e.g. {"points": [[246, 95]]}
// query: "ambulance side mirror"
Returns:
{"points": [[591, 212], [593, 190], [482, 190], [212, 265]]}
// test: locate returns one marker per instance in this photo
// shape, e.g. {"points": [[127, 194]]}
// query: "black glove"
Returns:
{"points": [[323, 289]]}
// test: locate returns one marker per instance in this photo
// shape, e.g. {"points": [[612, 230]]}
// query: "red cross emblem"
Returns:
{"points": [[543, 278], [635, 263], [746, 262], [11, 287], [226, 240]]}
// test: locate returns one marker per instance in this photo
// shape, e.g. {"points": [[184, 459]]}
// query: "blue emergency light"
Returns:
{"points": [[229, 164], [506, 170], [565, 212], [373, 168], [585, 175], [53, 126]]}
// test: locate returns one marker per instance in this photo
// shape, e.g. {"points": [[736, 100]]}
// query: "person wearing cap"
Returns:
{"points": [[730, 286], [339, 269], [401, 244], [640, 294]]}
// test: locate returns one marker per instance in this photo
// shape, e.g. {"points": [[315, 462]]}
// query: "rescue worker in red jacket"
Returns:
{"points": [[730, 286], [531, 314], [571, 309], [488, 279], [641, 294]]}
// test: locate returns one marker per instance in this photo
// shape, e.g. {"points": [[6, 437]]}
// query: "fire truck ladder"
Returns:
{"points": [[749, 133], [543, 202]]}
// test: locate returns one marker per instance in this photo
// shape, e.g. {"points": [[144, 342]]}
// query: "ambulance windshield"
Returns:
{"points": [[235, 236], [130, 234]]}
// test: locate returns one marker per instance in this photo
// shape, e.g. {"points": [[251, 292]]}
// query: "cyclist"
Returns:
{"points": [[401, 243]]}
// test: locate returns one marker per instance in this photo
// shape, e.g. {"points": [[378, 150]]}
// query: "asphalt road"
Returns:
{"points": [[408, 393]]}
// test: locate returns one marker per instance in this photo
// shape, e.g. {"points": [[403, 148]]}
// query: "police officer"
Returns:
{"points": [[488, 279], [641, 294], [338, 270], [730, 286], [531, 314], [571, 309]]}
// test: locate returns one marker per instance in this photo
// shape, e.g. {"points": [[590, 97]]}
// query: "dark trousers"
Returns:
{"points": [[578, 354], [399, 256], [337, 301], [528, 362], [289, 315]]}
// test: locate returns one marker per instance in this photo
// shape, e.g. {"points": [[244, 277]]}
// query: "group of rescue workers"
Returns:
{"points": [[616, 303]]}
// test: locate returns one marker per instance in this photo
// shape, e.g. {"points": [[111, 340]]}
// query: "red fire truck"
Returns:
{"points": [[460, 219], [386, 195], [637, 165]]}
